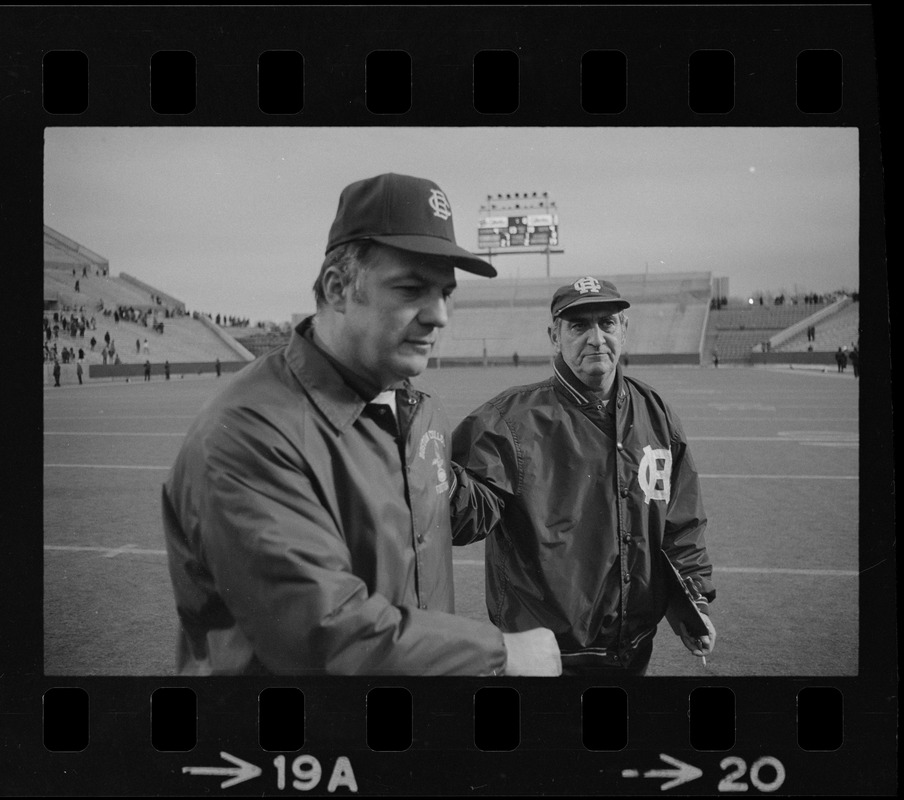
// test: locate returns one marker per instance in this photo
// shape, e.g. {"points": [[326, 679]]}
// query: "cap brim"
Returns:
{"points": [[434, 246], [617, 304]]}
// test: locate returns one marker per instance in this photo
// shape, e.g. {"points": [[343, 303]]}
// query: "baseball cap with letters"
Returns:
{"points": [[587, 291], [404, 212]]}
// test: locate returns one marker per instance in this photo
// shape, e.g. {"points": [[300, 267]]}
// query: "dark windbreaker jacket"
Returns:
{"points": [[592, 494], [305, 537]]}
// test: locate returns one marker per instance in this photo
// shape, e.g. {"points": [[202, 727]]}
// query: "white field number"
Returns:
{"points": [[731, 782], [307, 772]]}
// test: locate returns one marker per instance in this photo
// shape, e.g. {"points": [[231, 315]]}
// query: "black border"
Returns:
{"points": [[550, 40]]}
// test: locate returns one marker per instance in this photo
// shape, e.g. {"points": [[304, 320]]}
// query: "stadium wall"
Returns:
{"points": [[627, 359], [636, 288], [820, 358], [667, 320], [114, 371]]}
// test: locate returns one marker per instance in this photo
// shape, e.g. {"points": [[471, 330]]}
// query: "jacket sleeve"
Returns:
{"points": [[486, 469], [476, 510], [285, 574], [683, 538]]}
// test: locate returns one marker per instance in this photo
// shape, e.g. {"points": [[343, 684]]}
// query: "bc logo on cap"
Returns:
{"points": [[587, 284], [440, 204]]}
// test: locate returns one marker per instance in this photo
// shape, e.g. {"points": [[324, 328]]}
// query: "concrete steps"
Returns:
{"points": [[93, 290], [840, 330], [183, 339]]}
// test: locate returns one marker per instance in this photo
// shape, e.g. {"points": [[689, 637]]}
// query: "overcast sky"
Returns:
{"points": [[235, 220]]}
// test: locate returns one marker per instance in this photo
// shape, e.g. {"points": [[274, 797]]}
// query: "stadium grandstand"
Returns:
{"points": [[675, 318], [494, 320], [84, 301]]}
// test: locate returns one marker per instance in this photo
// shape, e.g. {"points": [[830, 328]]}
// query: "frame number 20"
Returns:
{"points": [[732, 782]]}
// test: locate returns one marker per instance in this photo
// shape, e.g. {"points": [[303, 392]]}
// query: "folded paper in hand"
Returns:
{"points": [[682, 608]]}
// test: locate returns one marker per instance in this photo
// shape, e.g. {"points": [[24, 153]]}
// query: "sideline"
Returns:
{"points": [[806, 369], [131, 549]]}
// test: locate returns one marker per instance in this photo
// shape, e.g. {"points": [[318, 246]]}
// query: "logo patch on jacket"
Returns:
{"points": [[439, 460], [654, 474]]}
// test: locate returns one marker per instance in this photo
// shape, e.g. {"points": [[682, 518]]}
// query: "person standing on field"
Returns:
{"points": [[309, 514], [598, 492]]}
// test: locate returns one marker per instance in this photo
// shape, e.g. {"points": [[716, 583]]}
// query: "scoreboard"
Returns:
{"points": [[524, 230]]}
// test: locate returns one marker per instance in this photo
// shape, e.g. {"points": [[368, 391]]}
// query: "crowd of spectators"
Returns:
{"points": [[146, 317], [811, 299], [224, 321], [75, 325], [72, 324], [767, 298], [807, 299]]}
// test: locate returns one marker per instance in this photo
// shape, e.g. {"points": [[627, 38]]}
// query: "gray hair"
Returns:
{"points": [[351, 261]]}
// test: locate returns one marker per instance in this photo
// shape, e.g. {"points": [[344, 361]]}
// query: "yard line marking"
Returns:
{"points": [[742, 570], [822, 436], [101, 466], [126, 548], [839, 438], [104, 417], [130, 549], [109, 552], [710, 419], [789, 477], [708, 477], [786, 571], [107, 433], [740, 407]]}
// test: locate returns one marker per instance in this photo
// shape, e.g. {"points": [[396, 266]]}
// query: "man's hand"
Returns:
{"points": [[533, 653], [702, 646]]}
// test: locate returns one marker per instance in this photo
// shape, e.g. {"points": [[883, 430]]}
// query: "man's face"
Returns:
{"points": [[392, 318], [590, 341]]}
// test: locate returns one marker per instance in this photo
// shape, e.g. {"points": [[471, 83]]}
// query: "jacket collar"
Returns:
{"points": [[330, 386], [579, 392]]}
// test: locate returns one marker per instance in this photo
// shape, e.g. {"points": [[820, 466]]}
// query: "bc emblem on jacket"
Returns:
{"points": [[592, 494]]}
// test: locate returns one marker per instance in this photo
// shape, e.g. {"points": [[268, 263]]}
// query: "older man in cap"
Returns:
{"points": [[308, 514], [599, 492]]}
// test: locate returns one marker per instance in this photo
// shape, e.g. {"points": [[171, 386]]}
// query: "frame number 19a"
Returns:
{"points": [[307, 773]]}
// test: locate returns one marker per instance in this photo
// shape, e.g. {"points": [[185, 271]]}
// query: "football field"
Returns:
{"points": [[777, 451]]}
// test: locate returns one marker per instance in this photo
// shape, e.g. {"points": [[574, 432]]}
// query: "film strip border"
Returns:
{"points": [[389, 80], [719, 65], [377, 736], [390, 720], [497, 65]]}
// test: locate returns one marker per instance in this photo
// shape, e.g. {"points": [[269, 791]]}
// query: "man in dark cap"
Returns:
{"points": [[308, 514], [599, 493]]}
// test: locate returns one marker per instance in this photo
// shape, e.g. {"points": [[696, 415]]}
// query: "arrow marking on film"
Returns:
{"points": [[683, 774], [242, 771]]}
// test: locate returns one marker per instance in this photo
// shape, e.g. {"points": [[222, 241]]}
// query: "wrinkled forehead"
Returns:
{"points": [[598, 315]]}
